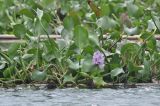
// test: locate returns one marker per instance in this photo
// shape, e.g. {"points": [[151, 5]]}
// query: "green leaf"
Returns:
{"points": [[68, 23], [9, 72], [6, 57], [19, 30], [48, 4], [84, 74], [129, 50], [106, 23], [48, 57], [61, 43], [47, 17], [105, 10], [132, 9], [157, 21], [115, 72], [115, 35], [87, 65], [28, 56], [38, 75], [94, 39], [27, 13], [151, 25], [80, 36], [68, 78], [51, 50], [75, 17], [146, 72], [131, 31], [151, 43], [115, 61], [39, 13], [98, 81], [146, 35], [73, 65], [12, 50], [89, 49], [3, 65], [133, 68], [67, 35]]}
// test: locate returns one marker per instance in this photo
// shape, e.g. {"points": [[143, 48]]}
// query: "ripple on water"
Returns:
{"points": [[144, 96]]}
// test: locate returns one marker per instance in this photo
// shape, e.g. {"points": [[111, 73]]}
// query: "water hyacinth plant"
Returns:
{"points": [[82, 51]]}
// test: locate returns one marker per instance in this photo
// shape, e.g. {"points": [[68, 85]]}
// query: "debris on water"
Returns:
{"points": [[51, 85]]}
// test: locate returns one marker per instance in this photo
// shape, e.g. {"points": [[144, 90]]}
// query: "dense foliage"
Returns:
{"points": [[91, 51]]}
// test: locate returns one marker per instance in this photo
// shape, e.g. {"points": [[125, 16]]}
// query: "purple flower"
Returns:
{"points": [[98, 59]]}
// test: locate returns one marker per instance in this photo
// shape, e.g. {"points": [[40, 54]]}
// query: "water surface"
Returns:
{"points": [[144, 96]]}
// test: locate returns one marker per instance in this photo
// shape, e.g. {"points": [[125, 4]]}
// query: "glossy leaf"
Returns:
{"points": [[129, 50], [115, 72], [39, 13], [62, 44], [98, 81], [68, 78], [105, 10], [9, 72], [3, 65], [146, 72], [27, 13], [68, 23], [150, 40], [106, 23], [151, 25], [157, 22], [87, 65], [80, 36], [94, 39], [132, 9], [73, 65], [132, 68], [28, 56], [131, 31], [19, 30], [12, 50], [38, 75]]}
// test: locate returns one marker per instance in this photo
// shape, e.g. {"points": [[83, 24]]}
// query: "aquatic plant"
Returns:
{"points": [[92, 34]]}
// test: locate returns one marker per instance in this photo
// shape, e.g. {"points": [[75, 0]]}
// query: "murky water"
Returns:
{"points": [[144, 96]]}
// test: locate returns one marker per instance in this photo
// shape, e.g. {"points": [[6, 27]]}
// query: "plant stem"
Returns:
{"points": [[6, 57], [45, 32]]}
